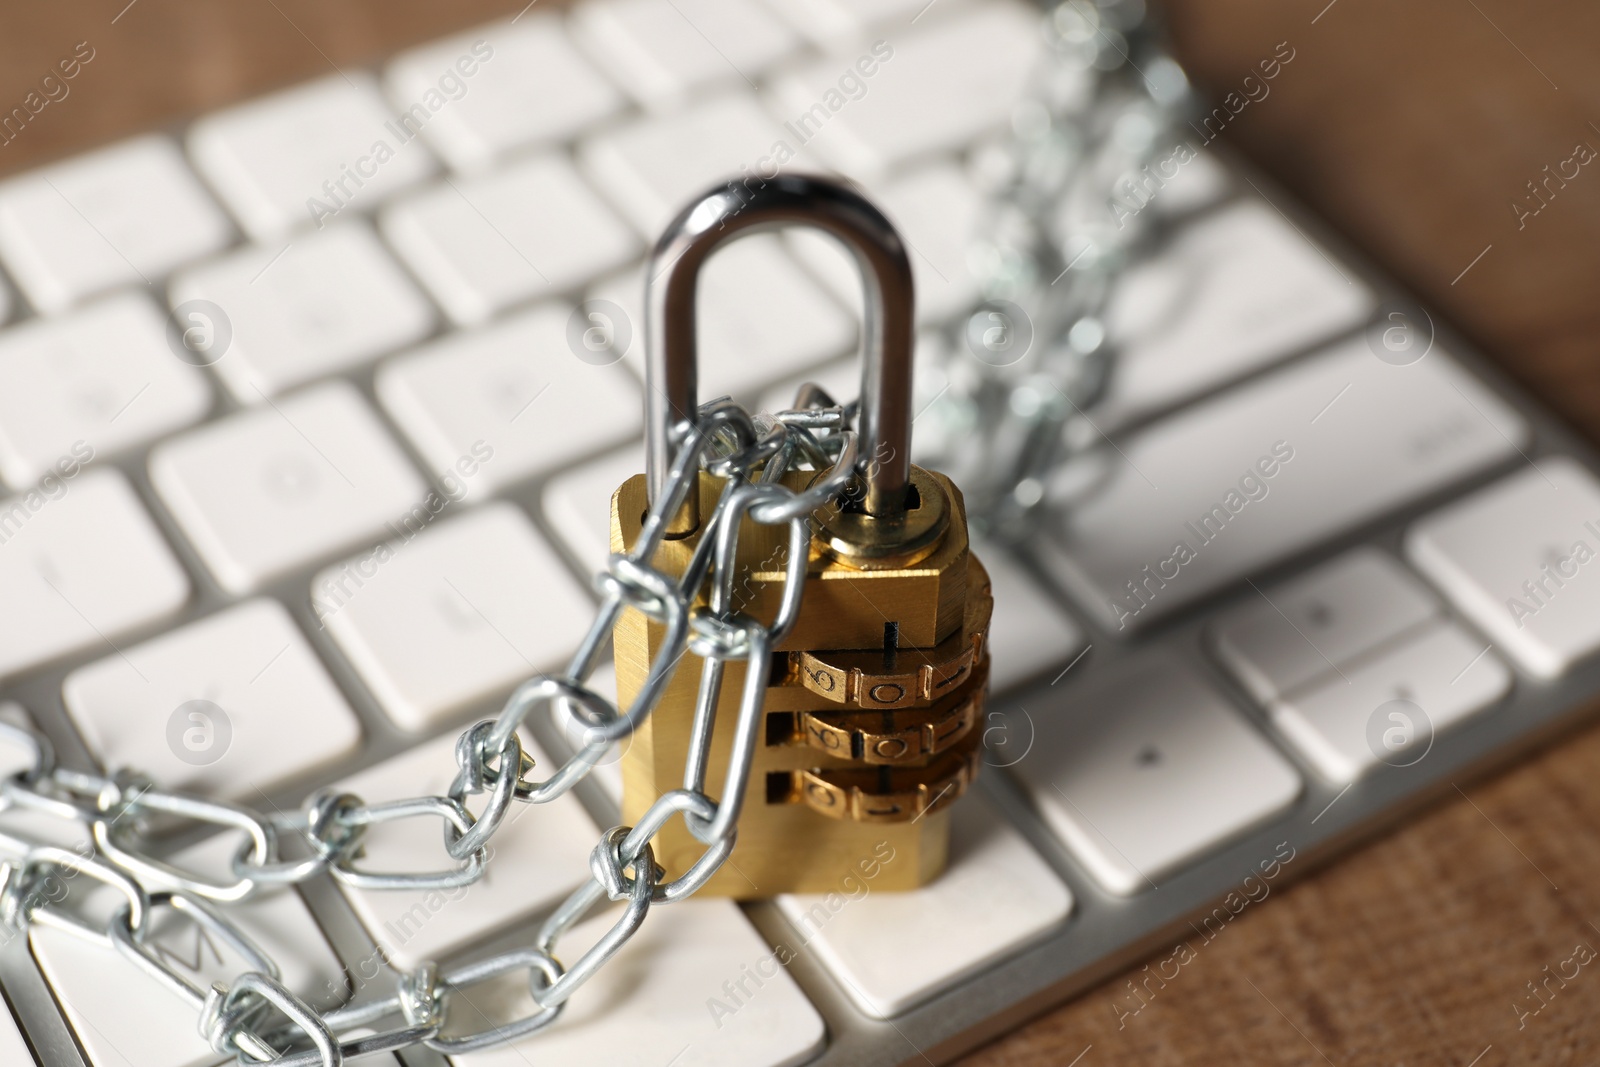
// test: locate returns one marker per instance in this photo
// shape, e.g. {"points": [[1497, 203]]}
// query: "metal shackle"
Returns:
{"points": [[739, 207]]}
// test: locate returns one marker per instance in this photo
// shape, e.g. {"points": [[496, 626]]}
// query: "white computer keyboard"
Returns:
{"points": [[362, 518]]}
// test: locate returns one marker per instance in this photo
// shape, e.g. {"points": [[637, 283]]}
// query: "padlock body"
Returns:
{"points": [[786, 844]]}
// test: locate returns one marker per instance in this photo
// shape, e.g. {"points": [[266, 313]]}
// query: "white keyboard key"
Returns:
{"points": [[268, 711], [120, 216], [483, 244], [92, 383], [663, 50], [486, 409], [936, 210], [322, 303], [578, 504], [1030, 633], [79, 568], [1146, 769], [1514, 558], [1319, 621], [118, 1012], [1233, 291], [505, 86], [267, 490], [1366, 714], [667, 991], [539, 855], [13, 1049], [932, 89], [1228, 487], [996, 896], [832, 24], [760, 318], [650, 168], [436, 623], [304, 155]]}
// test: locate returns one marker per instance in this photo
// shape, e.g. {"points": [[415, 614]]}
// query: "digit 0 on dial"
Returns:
{"points": [[874, 695]]}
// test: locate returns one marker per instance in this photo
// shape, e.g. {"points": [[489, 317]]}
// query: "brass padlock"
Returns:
{"points": [[874, 699]]}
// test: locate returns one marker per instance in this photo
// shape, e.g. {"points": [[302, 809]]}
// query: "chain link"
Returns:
{"points": [[1065, 216], [256, 1017]]}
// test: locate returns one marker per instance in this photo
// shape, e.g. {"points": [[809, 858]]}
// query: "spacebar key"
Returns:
{"points": [[1233, 485]]}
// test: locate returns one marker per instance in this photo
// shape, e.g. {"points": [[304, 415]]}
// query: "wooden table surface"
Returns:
{"points": [[1412, 128]]}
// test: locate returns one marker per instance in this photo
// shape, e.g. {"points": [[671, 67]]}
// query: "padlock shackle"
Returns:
{"points": [[735, 209]]}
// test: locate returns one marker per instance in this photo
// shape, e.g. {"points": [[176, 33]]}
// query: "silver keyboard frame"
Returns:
{"points": [[1105, 934]]}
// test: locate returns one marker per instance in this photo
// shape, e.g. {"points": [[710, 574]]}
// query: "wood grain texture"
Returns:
{"points": [[1411, 127]]}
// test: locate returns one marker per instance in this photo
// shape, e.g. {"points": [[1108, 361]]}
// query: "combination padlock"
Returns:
{"points": [[874, 699]]}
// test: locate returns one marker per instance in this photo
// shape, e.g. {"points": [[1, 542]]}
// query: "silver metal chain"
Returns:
{"points": [[256, 1017], [1065, 218]]}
